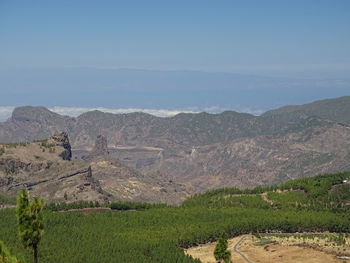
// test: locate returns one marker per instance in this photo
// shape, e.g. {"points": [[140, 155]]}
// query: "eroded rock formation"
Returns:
{"points": [[61, 139]]}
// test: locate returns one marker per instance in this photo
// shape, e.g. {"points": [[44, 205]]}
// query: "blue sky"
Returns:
{"points": [[200, 35], [298, 39]]}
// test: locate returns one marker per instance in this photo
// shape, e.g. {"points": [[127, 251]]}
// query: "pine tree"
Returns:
{"points": [[30, 221], [221, 253], [5, 256]]}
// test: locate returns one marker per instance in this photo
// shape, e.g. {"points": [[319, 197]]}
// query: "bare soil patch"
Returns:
{"points": [[205, 252], [273, 252]]}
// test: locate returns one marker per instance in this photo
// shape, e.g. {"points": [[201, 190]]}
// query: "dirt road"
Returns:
{"points": [[235, 249], [245, 250]]}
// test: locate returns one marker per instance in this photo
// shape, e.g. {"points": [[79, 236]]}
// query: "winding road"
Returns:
{"points": [[235, 249]]}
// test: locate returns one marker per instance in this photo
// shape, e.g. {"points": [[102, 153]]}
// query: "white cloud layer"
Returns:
{"points": [[76, 111], [6, 111]]}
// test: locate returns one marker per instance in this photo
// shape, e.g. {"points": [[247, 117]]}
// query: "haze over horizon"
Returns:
{"points": [[169, 57]]}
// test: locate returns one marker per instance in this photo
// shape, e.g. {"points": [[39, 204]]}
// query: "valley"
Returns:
{"points": [[150, 198], [175, 131], [153, 159]]}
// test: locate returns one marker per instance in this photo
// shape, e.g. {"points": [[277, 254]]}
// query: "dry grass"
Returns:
{"points": [[323, 242], [33, 152], [284, 253], [205, 252]]}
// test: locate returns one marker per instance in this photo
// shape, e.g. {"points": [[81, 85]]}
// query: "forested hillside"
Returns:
{"points": [[330, 192], [157, 234]]}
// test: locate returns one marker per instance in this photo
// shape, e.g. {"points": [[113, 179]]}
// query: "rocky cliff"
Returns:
{"points": [[62, 140]]}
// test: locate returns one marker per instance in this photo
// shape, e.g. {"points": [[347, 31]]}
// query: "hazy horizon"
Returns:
{"points": [[169, 57]]}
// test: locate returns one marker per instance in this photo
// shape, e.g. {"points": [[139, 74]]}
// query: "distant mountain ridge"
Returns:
{"points": [[332, 109], [204, 150], [31, 123]]}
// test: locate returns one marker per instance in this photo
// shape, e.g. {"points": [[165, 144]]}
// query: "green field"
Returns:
{"points": [[157, 234]]}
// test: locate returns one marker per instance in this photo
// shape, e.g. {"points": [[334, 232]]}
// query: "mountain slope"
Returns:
{"points": [[322, 192], [33, 123], [202, 151], [261, 160], [45, 168], [332, 109], [185, 129]]}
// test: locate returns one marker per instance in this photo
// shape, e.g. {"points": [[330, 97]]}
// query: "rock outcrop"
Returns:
{"points": [[61, 139], [100, 147], [11, 165]]}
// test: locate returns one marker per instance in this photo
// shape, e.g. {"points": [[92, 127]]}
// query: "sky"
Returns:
{"points": [[49, 40]]}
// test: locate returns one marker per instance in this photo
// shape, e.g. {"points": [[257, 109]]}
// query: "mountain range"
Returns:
{"points": [[191, 153]]}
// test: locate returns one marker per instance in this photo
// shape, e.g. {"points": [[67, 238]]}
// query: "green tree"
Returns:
{"points": [[30, 221], [5, 256], [221, 253]]}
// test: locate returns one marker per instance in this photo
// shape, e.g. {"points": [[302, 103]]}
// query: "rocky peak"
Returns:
{"points": [[100, 147], [33, 114], [61, 139]]}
